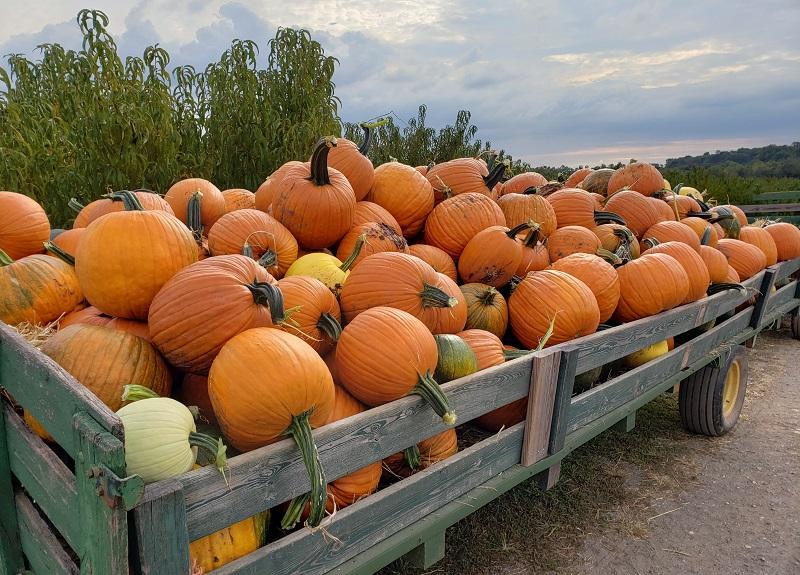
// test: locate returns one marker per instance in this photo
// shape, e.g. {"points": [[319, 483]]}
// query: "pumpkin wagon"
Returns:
{"points": [[340, 383]]}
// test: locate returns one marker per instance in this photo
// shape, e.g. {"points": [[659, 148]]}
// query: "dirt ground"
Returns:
{"points": [[741, 511]]}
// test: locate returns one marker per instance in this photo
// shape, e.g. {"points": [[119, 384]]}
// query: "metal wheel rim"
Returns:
{"points": [[730, 392]]}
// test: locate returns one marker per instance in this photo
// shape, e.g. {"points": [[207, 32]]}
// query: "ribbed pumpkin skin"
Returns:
{"points": [[436, 258], [89, 315], [454, 222], [381, 354], [367, 212], [699, 226], [638, 176], [403, 192], [521, 182], [549, 294], [239, 199], [104, 360], [449, 319], [307, 299], [461, 176], [598, 275], [572, 240], [456, 358], [260, 380], [611, 241], [745, 258], [534, 258], [666, 213], [205, 305], [490, 257], [68, 240], [787, 240], [23, 225], [353, 165], [762, 239], [520, 208], [149, 200], [573, 207], [733, 276], [691, 262], [135, 327], [638, 212], [674, 232], [486, 346], [266, 191], [223, 546], [378, 238], [431, 451], [741, 217], [486, 308], [125, 257], [577, 177], [260, 231], [649, 285], [37, 289], [389, 279], [597, 181], [686, 205], [193, 390], [716, 263], [212, 204]]}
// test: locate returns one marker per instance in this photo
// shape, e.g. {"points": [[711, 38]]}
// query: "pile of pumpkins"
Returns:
{"points": [[337, 286]]}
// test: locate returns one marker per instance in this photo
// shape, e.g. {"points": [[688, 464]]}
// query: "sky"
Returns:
{"points": [[551, 82]]}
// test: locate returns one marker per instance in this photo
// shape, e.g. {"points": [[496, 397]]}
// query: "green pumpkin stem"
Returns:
{"points": [[214, 448], [533, 236], [5, 259], [330, 326], [706, 237], [610, 257], [319, 161], [725, 286], [496, 174], [648, 243], [608, 217], [268, 259], [134, 392], [265, 293], [59, 253], [510, 354], [300, 430], [293, 512], [413, 457], [716, 218], [194, 219], [429, 390], [368, 127], [129, 200], [433, 296], [351, 259], [530, 191], [247, 250], [512, 233], [626, 238], [75, 205]]}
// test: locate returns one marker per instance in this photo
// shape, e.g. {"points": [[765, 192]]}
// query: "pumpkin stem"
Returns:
{"points": [[713, 218], [330, 326], [675, 208], [351, 259], [293, 512], [319, 161], [609, 256], [268, 259], [433, 296], [488, 296], [512, 233], [608, 217], [194, 220], [626, 238], [413, 457], [530, 191], [59, 253], [706, 237], [648, 243], [271, 296], [134, 392], [128, 199], [496, 174], [75, 205], [720, 287], [533, 236], [368, 127], [214, 448], [429, 390], [300, 430], [247, 250], [5, 259], [510, 354]]}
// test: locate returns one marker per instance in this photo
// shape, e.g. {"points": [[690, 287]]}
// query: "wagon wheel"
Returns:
{"points": [[796, 324], [710, 400]]}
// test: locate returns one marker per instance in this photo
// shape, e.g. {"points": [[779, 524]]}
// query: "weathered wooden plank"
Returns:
{"points": [[785, 269], [271, 475], [780, 297], [541, 398], [771, 209], [566, 381], [11, 560], [765, 293], [547, 479], [44, 476], [43, 551], [367, 522], [428, 552], [104, 541], [45, 389], [162, 538], [615, 393]]}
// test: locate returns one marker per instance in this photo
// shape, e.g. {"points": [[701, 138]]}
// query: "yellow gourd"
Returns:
{"points": [[649, 353], [691, 192], [327, 268]]}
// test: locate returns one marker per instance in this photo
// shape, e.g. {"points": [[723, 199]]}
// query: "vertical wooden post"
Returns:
{"points": [[761, 302], [104, 545], [11, 560], [626, 424], [541, 397], [430, 551], [162, 536]]}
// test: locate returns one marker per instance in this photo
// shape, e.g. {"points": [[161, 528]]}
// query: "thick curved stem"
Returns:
{"points": [[330, 326], [703, 215], [194, 218], [648, 243], [268, 259], [495, 175], [533, 236], [319, 161], [609, 256], [300, 430], [512, 233], [429, 390], [530, 191], [433, 296], [715, 218], [716, 288], [488, 296], [706, 237], [75, 205], [134, 392], [351, 259], [271, 296], [294, 511], [129, 200], [59, 253], [413, 457], [606, 217], [214, 448]]}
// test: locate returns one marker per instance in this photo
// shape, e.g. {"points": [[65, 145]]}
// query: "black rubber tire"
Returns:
{"points": [[701, 400], [796, 324]]}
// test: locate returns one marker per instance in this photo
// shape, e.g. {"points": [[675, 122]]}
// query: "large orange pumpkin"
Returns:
{"points": [[716, 262], [486, 346], [376, 238], [136, 327], [212, 202], [535, 256], [462, 176], [238, 199], [671, 231], [486, 309], [521, 208], [114, 203], [685, 206], [703, 229], [649, 285], [317, 203], [577, 177], [552, 297], [403, 192], [598, 275], [354, 164], [638, 176], [193, 390], [367, 212], [691, 262], [745, 258], [574, 207], [521, 182], [313, 312], [787, 240], [638, 211], [572, 240], [762, 239], [266, 191], [449, 320], [206, 304], [454, 222], [24, 226], [436, 258], [90, 315], [492, 256]]}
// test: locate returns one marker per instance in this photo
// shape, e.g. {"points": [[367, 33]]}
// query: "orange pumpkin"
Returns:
{"points": [[691, 262], [684, 206], [702, 228], [266, 191], [89, 315], [535, 256], [486, 309], [238, 199], [486, 346], [638, 211], [454, 222], [637, 176], [449, 320], [137, 328], [403, 192], [521, 208], [114, 203], [786, 238], [436, 258], [716, 263], [745, 258], [212, 202], [574, 207], [313, 312], [24, 226], [762, 239], [377, 238], [672, 231], [598, 275], [649, 285], [367, 212], [619, 240], [521, 182], [206, 304], [316, 203], [577, 177], [68, 240], [552, 296], [354, 164], [740, 216], [733, 276], [462, 176], [571, 240], [491, 256], [426, 453], [666, 213], [193, 390]]}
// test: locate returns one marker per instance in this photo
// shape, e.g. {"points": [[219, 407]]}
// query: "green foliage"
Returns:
{"points": [[765, 162], [79, 123]]}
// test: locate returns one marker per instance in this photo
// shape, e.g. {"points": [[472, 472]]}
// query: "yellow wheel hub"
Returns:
{"points": [[731, 390]]}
